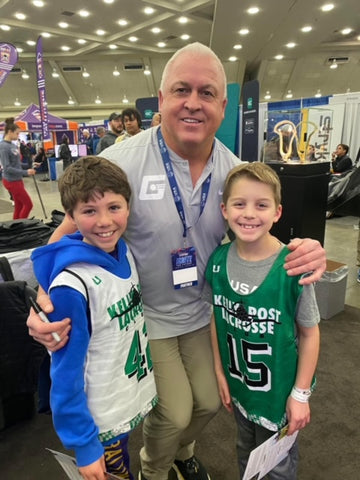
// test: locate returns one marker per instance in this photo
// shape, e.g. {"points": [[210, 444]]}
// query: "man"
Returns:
{"points": [[176, 174], [131, 118], [116, 129], [88, 141], [340, 161]]}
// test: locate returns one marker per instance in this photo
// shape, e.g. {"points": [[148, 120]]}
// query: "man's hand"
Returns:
{"points": [[307, 256], [42, 332]]}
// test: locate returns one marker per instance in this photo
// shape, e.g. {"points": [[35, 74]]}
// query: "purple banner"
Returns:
{"points": [[40, 73], [8, 58]]}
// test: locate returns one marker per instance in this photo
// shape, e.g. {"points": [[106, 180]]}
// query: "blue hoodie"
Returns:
{"points": [[72, 419]]}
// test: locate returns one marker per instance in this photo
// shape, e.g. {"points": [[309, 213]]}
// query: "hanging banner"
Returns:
{"points": [[8, 58], [40, 73], [250, 122]]}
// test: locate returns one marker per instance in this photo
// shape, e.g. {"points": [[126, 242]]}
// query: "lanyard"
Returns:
{"points": [[173, 183]]}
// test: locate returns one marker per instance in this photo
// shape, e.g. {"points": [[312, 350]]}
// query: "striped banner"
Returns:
{"points": [[40, 73]]}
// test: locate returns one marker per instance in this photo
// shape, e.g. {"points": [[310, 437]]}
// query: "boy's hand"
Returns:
{"points": [[307, 256], [224, 392], [298, 414], [94, 471]]}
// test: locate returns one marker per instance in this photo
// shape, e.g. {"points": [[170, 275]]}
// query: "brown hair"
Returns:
{"points": [[257, 171], [90, 176], [10, 125]]}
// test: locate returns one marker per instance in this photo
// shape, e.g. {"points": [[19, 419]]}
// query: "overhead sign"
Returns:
{"points": [[8, 58]]}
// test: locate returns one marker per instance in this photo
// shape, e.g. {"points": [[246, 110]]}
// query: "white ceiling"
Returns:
{"points": [[303, 70]]}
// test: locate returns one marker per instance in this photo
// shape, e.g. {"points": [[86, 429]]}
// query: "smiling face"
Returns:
{"points": [[250, 210], [192, 104], [102, 220]]}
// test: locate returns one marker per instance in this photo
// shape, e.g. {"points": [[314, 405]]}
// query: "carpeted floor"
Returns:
{"points": [[329, 446], [5, 206]]}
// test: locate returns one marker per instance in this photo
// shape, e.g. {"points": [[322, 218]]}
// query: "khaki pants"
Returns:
{"points": [[188, 399]]}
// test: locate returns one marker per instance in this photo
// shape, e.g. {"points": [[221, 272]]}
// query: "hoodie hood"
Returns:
{"points": [[50, 260]]}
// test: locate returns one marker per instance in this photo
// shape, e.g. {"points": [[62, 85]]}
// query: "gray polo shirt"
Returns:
{"points": [[155, 229]]}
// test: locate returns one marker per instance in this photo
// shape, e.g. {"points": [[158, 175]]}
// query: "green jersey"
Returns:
{"points": [[257, 338]]}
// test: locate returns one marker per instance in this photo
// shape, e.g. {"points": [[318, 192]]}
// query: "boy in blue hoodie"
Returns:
{"points": [[102, 380]]}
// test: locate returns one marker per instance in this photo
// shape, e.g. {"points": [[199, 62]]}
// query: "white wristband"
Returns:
{"points": [[300, 395]]}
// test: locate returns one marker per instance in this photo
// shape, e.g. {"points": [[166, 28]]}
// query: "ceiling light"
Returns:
{"points": [[31, 43], [156, 30], [24, 75], [147, 70], [327, 7], [17, 103], [63, 25], [333, 64], [85, 73], [38, 3], [244, 31], [55, 73], [122, 22], [65, 48], [97, 100], [125, 100], [133, 39], [279, 57], [19, 49], [100, 32], [81, 41], [46, 34], [232, 59], [149, 10], [71, 101], [267, 96], [318, 94], [6, 28], [116, 72], [346, 31], [84, 13], [185, 36], [161, 44], [108, 1], [112, 46], [20, 16], [289, 94], [237, 46], [183, 20], [306, 29], [291, 45], [253, 10]]}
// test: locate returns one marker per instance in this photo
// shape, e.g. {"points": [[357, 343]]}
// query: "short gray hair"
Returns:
{"points": [[195, 48]]}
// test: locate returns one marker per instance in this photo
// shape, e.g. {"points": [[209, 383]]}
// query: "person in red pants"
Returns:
{"points": [[12, 172]]}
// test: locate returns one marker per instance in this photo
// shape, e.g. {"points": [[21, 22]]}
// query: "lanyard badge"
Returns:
{"points": [[184, 270]]}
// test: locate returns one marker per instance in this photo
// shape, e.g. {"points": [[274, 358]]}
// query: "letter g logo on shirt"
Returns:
{"points": [[152, 187]]}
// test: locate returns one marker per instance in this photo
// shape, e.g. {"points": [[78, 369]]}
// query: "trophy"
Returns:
{"points": [[288, 136]]}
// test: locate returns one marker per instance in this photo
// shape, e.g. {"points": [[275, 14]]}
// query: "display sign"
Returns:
{"points": [[40, 73], [8, 58], [250, 122]]}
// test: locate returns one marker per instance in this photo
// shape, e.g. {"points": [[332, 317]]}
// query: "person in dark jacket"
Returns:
{"points": [[341, 162], [65, 152]]}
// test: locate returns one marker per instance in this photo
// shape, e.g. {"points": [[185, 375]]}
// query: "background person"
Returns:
{"points": [[247, 277], [192, 101], [88, 141], [156, 119], [65, 152], [340, 161], [98, 392], [116, 129], [12, 171], [131, 118]]}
